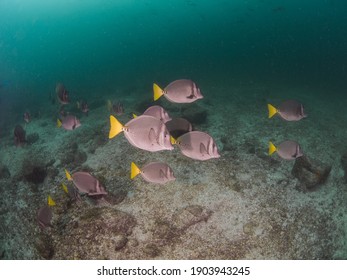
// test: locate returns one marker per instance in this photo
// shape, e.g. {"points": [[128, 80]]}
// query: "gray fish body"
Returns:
{"points": [[158, 112], [157, 172], [86, 183], [70, 122], [148, 133], [44, 216], [198, 145], [178, 127], [182, 91], [291, 110], [289, 150]]}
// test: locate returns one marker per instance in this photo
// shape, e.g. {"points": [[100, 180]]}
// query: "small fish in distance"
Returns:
{"points": [[69, 122], [19, 135], [62, 94]]}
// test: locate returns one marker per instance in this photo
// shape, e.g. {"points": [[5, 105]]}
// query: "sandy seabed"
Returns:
{"points": [[244, 205]]}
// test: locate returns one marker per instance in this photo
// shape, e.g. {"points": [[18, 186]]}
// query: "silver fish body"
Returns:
{"points": [[70, 122], [157, 112], [148, 133], [198, 145], [291, 110], [289, 150], [157, 172], [182, 91], [86, 183], [44, 216]]}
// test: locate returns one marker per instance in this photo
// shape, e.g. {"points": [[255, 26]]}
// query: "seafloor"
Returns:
{"points": [[244, 205]]}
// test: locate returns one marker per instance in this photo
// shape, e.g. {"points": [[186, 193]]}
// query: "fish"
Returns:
{"points": [[289, 110], [179, 91], [144, 132], [27, 117], [62, 93], [197, 145], [178, 127], [19, 135], [71, 191], [45, 214], [157, 112], [70, 122], [86, 183], [288, 150], [117, 108], [83, 106], [154, 172]]}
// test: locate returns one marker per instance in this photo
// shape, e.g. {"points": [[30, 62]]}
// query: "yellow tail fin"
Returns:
{"points": [[64, 188], [157, 92], [116, 127], [272, 110], [272, 148], [134, 116], [109, 105], [68, 175], [59, 124], [173, 140], [134, 170], [50, 201]]}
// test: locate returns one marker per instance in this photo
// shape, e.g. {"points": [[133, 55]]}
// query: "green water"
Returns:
{"points": [[96, 45]]}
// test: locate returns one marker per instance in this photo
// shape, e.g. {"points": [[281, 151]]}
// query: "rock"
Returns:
{"points": [[36, 175], [344, 164], [120, 241], [310, 172], [32, 138], [97, 233], [4, 172], [189, 216], [195, 114]]}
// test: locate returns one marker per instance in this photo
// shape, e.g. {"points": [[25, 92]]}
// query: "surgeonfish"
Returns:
{"points": [[115, 107], [27, 117], [70, 122], [83, 106], [44, 215], [197, 145], [86, 183], [154, 172], [71, 191], [289, 110], [157, 112], [288, 150], [62, 94], [178, 127], [19, 135], [179, 91], [144, 132]]}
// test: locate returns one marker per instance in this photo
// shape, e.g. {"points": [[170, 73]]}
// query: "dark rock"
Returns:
{"points": [[116, 198], [310, 172], [120, 241], [151, 250], [4, 172], [190, 215], [344, 164], [93, 236], [195, 114], [32, 138], [36, 175], [80, 157]]}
